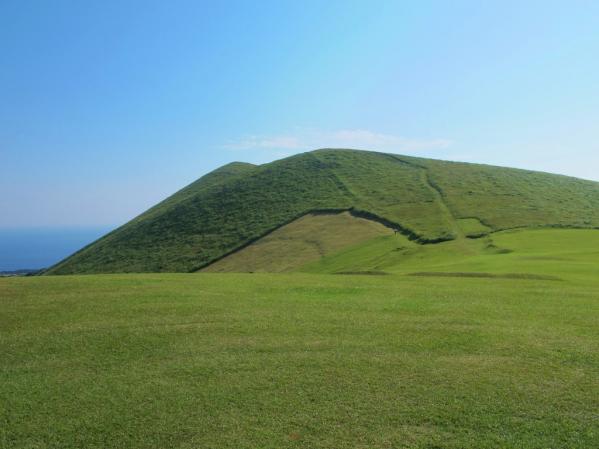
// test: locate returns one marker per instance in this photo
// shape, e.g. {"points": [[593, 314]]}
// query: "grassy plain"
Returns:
{"points": [[310, 360]]}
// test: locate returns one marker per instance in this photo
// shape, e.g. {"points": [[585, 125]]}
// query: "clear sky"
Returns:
{"points": [[107, 107]]}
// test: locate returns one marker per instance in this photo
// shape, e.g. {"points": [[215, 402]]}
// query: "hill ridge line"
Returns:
{"points": [[403, 161]]}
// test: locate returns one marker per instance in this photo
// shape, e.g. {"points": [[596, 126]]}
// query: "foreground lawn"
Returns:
{"points": [[298, 360]]}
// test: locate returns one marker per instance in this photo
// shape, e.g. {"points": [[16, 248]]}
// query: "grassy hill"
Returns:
{"points": [[474, 326], [428, 201]]}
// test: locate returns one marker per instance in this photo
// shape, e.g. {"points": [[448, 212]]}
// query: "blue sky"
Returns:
{"points": [[108, 107]]}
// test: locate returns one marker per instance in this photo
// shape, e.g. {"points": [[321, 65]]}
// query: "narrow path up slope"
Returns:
{"points": [[445, 210], [393, 190]]}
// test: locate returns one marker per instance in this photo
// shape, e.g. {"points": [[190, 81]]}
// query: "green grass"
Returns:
{"points": [[301, 360], [305, 240], [487, 342], [567, 253], [504, 198], [472, 227], [428, 200]]}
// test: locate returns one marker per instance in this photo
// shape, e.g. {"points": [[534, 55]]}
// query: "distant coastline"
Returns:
{"points": [[27, 250], [21, 272]]}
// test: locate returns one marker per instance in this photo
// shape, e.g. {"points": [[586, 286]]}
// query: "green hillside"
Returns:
{"points": [[548, 254], [300, 242], [428, 201]]}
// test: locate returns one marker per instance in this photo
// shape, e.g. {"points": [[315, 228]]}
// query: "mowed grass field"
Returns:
{"points": [[306, 360]]}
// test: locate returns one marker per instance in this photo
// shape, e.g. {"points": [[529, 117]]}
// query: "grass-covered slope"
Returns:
{"points": [[124, 245], [305, 240], [505, 197], [429, 201], [548, 254]]}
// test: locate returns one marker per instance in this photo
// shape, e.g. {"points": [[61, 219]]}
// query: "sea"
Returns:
{"points": [[37, 248]]}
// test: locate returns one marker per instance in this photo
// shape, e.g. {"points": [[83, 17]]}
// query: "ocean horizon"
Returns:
{"points": [[37, 248]]}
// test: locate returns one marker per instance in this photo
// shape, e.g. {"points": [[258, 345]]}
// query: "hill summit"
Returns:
{"points": [[428, 201]]}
